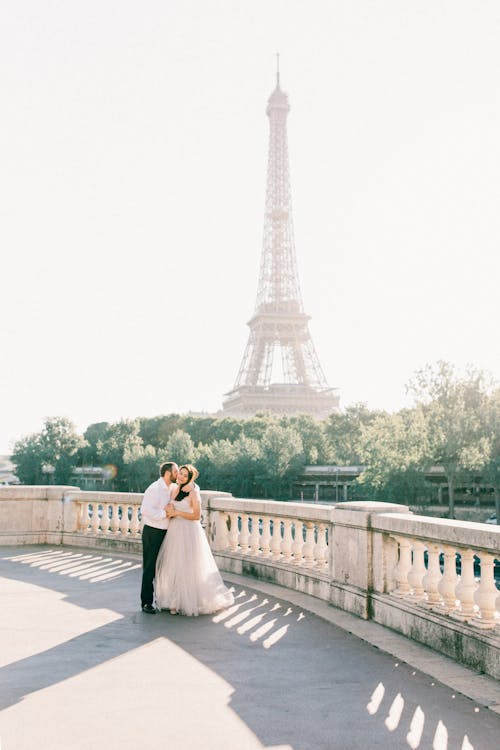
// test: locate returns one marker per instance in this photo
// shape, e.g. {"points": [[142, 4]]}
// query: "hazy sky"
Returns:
{"points": [[133, 150]]}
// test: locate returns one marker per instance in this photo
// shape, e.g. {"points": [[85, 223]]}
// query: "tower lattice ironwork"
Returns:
{"points": [[280, 370]]}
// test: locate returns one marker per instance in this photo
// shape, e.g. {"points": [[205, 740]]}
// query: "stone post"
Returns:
{"points": [[32, 514], [353, 551]]}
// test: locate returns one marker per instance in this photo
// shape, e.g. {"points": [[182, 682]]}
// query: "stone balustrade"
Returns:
{"points": [[444, 566], [430, 579]]}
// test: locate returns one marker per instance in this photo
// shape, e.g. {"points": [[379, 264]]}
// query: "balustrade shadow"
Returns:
{"points": [[297, 680]]}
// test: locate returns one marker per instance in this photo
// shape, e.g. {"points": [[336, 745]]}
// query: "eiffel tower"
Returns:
{"points": [[292, 383]]}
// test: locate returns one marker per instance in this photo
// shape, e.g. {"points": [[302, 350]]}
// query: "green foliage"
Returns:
{"points": [[343, 431], [392, 445], [28, 460], [282, 459], [180, 448], [455, 413], [54, 449], [316, 447], [155, 431], [490, 471], [93, 434], [140, 467], [120, 439]]}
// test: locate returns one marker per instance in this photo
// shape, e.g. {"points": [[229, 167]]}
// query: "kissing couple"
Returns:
{"points": [[179, 571]]}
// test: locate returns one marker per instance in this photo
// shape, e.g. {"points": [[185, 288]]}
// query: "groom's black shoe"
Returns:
{"points": [[149, 609]]}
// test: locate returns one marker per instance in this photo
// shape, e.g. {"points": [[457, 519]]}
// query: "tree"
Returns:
{"points": [[200, 429], [282, 459], [217, 465], [454, 410], [344, 430], [156, 431], [140, 467], [255, 426], [490, 472], [56, 446], [227, 428], [120, 439], [392, 447], [246, 470], [316, 446], [93, 434], [28, 459], [180, 448]]}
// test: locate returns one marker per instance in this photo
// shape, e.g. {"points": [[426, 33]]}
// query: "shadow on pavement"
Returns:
{"points": [[296, 680]]}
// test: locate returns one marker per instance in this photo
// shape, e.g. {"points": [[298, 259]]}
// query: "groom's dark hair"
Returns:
{"points": [[168, 466]]}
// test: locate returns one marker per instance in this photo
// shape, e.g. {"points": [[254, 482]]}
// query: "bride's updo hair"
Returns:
{"points": [[193, 473]]}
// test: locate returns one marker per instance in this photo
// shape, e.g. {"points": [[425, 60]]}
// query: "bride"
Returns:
{"points": [[187, 578]]}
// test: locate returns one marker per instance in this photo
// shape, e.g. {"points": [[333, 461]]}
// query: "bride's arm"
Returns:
{"points": [[195, 501]]}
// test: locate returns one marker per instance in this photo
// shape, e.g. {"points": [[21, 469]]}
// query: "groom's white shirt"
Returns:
{"points": [[155, 498]]}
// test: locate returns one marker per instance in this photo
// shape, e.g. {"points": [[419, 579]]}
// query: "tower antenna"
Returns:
{"points": [[278, 69]]}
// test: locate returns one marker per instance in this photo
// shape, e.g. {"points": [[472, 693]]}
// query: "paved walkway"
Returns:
{"points": [[81, 667]]}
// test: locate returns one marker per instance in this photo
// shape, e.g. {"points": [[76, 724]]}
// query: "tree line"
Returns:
{"points": [[454, 423]]}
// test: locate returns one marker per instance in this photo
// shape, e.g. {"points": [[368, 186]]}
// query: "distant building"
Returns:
{"points": [[326, 483], [335, 484]]}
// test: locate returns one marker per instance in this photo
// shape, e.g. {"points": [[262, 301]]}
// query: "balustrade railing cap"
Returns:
{"points": [[373, 506], [35, 491], [132, 498], [441, 530]]}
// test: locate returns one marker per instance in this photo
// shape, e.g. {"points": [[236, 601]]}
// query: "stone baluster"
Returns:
{"points": [[276, 539], [418, 570], [105, 519], [244, 534], [287, 541], [115, 517], [486, 594], [220, 539], [135, 523], [298, 543], [321, 549], [255, 535], [448, 582], [265, 542], [308, 549], [465, 588], [390, 547], [403, 567], [124, 522], [432, 577], [95, 518], [233, 532], [83, 518]]}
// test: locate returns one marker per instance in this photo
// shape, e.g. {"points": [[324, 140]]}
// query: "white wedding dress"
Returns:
{"points": [[187, 578]]}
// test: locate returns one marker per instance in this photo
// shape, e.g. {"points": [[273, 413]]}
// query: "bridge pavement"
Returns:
{"points": [[82, 667]]}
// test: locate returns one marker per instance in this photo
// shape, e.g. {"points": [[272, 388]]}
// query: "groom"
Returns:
{"points": [[155, 524]]}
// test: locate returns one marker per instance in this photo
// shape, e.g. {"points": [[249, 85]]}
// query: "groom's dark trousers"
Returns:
{"points": [[151, 543]]}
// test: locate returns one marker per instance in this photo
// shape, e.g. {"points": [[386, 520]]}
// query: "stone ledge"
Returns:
{"points": [[478, 649]]}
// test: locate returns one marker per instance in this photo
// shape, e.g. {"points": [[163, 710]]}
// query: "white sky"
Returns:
{"points": [[133, 150]]}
